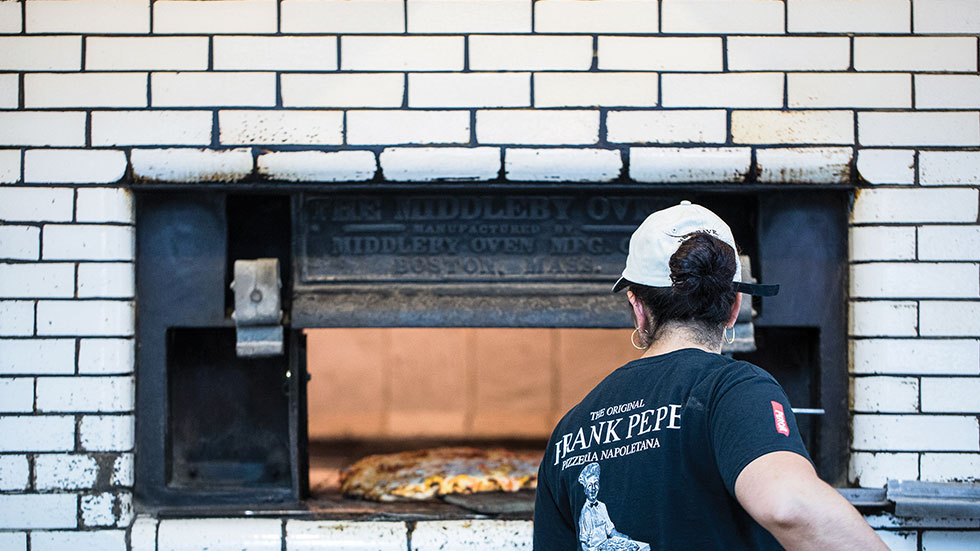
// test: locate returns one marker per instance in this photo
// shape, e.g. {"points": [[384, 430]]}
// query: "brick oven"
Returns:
{"points": [[148, 145]]}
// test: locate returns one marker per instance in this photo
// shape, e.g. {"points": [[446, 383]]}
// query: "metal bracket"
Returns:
{"points": [[258, 309]]}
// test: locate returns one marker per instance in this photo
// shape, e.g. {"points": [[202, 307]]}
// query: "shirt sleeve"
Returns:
{"points": [[553, 523], [750, 416]]}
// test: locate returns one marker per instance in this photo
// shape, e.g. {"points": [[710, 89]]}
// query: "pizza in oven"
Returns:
{"points": [[423, 474]]}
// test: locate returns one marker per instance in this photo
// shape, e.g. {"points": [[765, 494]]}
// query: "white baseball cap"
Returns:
{"points": [[659, 237]]}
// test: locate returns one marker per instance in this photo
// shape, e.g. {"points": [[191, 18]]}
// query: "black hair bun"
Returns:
{"points": [[702, 269]]}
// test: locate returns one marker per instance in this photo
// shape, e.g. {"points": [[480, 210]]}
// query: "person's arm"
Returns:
{"points": [[782, 492]]}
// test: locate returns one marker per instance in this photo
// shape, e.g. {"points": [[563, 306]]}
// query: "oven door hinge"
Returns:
{"points": [[258, 308]]}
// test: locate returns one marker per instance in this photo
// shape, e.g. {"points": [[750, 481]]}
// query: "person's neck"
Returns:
{"points": [[672, 339]]}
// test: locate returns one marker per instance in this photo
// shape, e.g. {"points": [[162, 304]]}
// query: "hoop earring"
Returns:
{"points": [[633, 339], [732, 339]]}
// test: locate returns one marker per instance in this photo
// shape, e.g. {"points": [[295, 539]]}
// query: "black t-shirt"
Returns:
{"points": [[648, 460]]}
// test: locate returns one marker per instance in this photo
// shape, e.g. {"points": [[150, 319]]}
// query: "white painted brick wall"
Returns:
{"points": [[886, 394], [916, 433], [47, 280], [778, 53], [695, 164], [949, 242], [937, 540], [279, 53], [899, 541], [793, 127], [33, 511], [886, 166], [146, 53], [915, 205], [874, 470], [106, 356], [96, 318], [815, 165], [37, 356], [64, 472], [401, 53], [14, 473], [532, 127], [949, 319], [406, 127], [219, 534], [915, 54], [343, 16], [848, 16], [919, 129], [16, 396], [562, 165], [302, 535], [74, 166], [471, 534], [40, 53], [469, 16], [875, 90], [143, 534], [88, 16], [722, 16], [420, 164], [226, 17], [16, 318], [915, 279], [280, 127], [530, 53], [36, 433], [98, 540], [596, 89], [951, 395], [9, 91], [39, 128], [9, 166], [667, 127], [20, 242], [945, 17], [113, 128], [86, 242], [106, 433], [947, 91], [11, 17], [883, 319], [97, 510], [318, 166], [35, 204], [589, 16], [106, 280], [469, 90], [104, 205], [343, 90], [882, 243], [191, 165], [245, 89], [901, 356], [959, 168], [625, 53], [951, 467]]}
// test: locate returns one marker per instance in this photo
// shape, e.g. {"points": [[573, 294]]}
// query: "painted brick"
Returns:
{"points": [[74, 166], [534, 53], [106, 280], [86, 242], [281, 127], [96, 318], [949, 243], [815, 165], [65, 472], [47, 280], [107, 433], [785, 53], [147, 53], [919, 53], [14, 473], [218, 89], [937, 540], [667, 127], [99, 540], [916, 433], [97, 510], [11, 19], [39, 128], [35, 433], [401, 53], [469, 90], [537, 127], [668, 164], [595, 89], [318, 166], [469, 16], [40, 53], [899, 541], [9, 166], [883, 318], [875, 90], [848, 16], [343, 16], [106, 356], [945, 17], [219, 534], [343, 535], [722, 90], [919, 129], [9, 91], [422, 164], [951, 395], [882, 243], [790, 127], [279, 53], [886, 394], [949, 319], [915, 279], [191, 165], [37, 356], [110, 128], [951, 467], [122, 470], [16, 318], [588, 16], [143, 534], [660, 53], [12, 541], [491, 535], [88, 16], [407, 127], [35, 204], [915, 205], [32, 511], [104, 205], [226, 17], [722, 17], [903, 356], [20, 242], [874, 470], [938, 168], [947, 91], [343, 90], [563, 165], [16, 396], [886, 166]]}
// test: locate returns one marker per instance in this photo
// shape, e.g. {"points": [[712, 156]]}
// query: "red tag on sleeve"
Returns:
{"points": [[780, 416]]}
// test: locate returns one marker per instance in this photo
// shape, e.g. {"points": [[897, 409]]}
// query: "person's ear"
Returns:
{"points": [[736, 306], [639, 311]]}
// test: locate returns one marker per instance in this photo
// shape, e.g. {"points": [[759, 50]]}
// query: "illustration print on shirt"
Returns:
{"points": [[596, 530]]}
